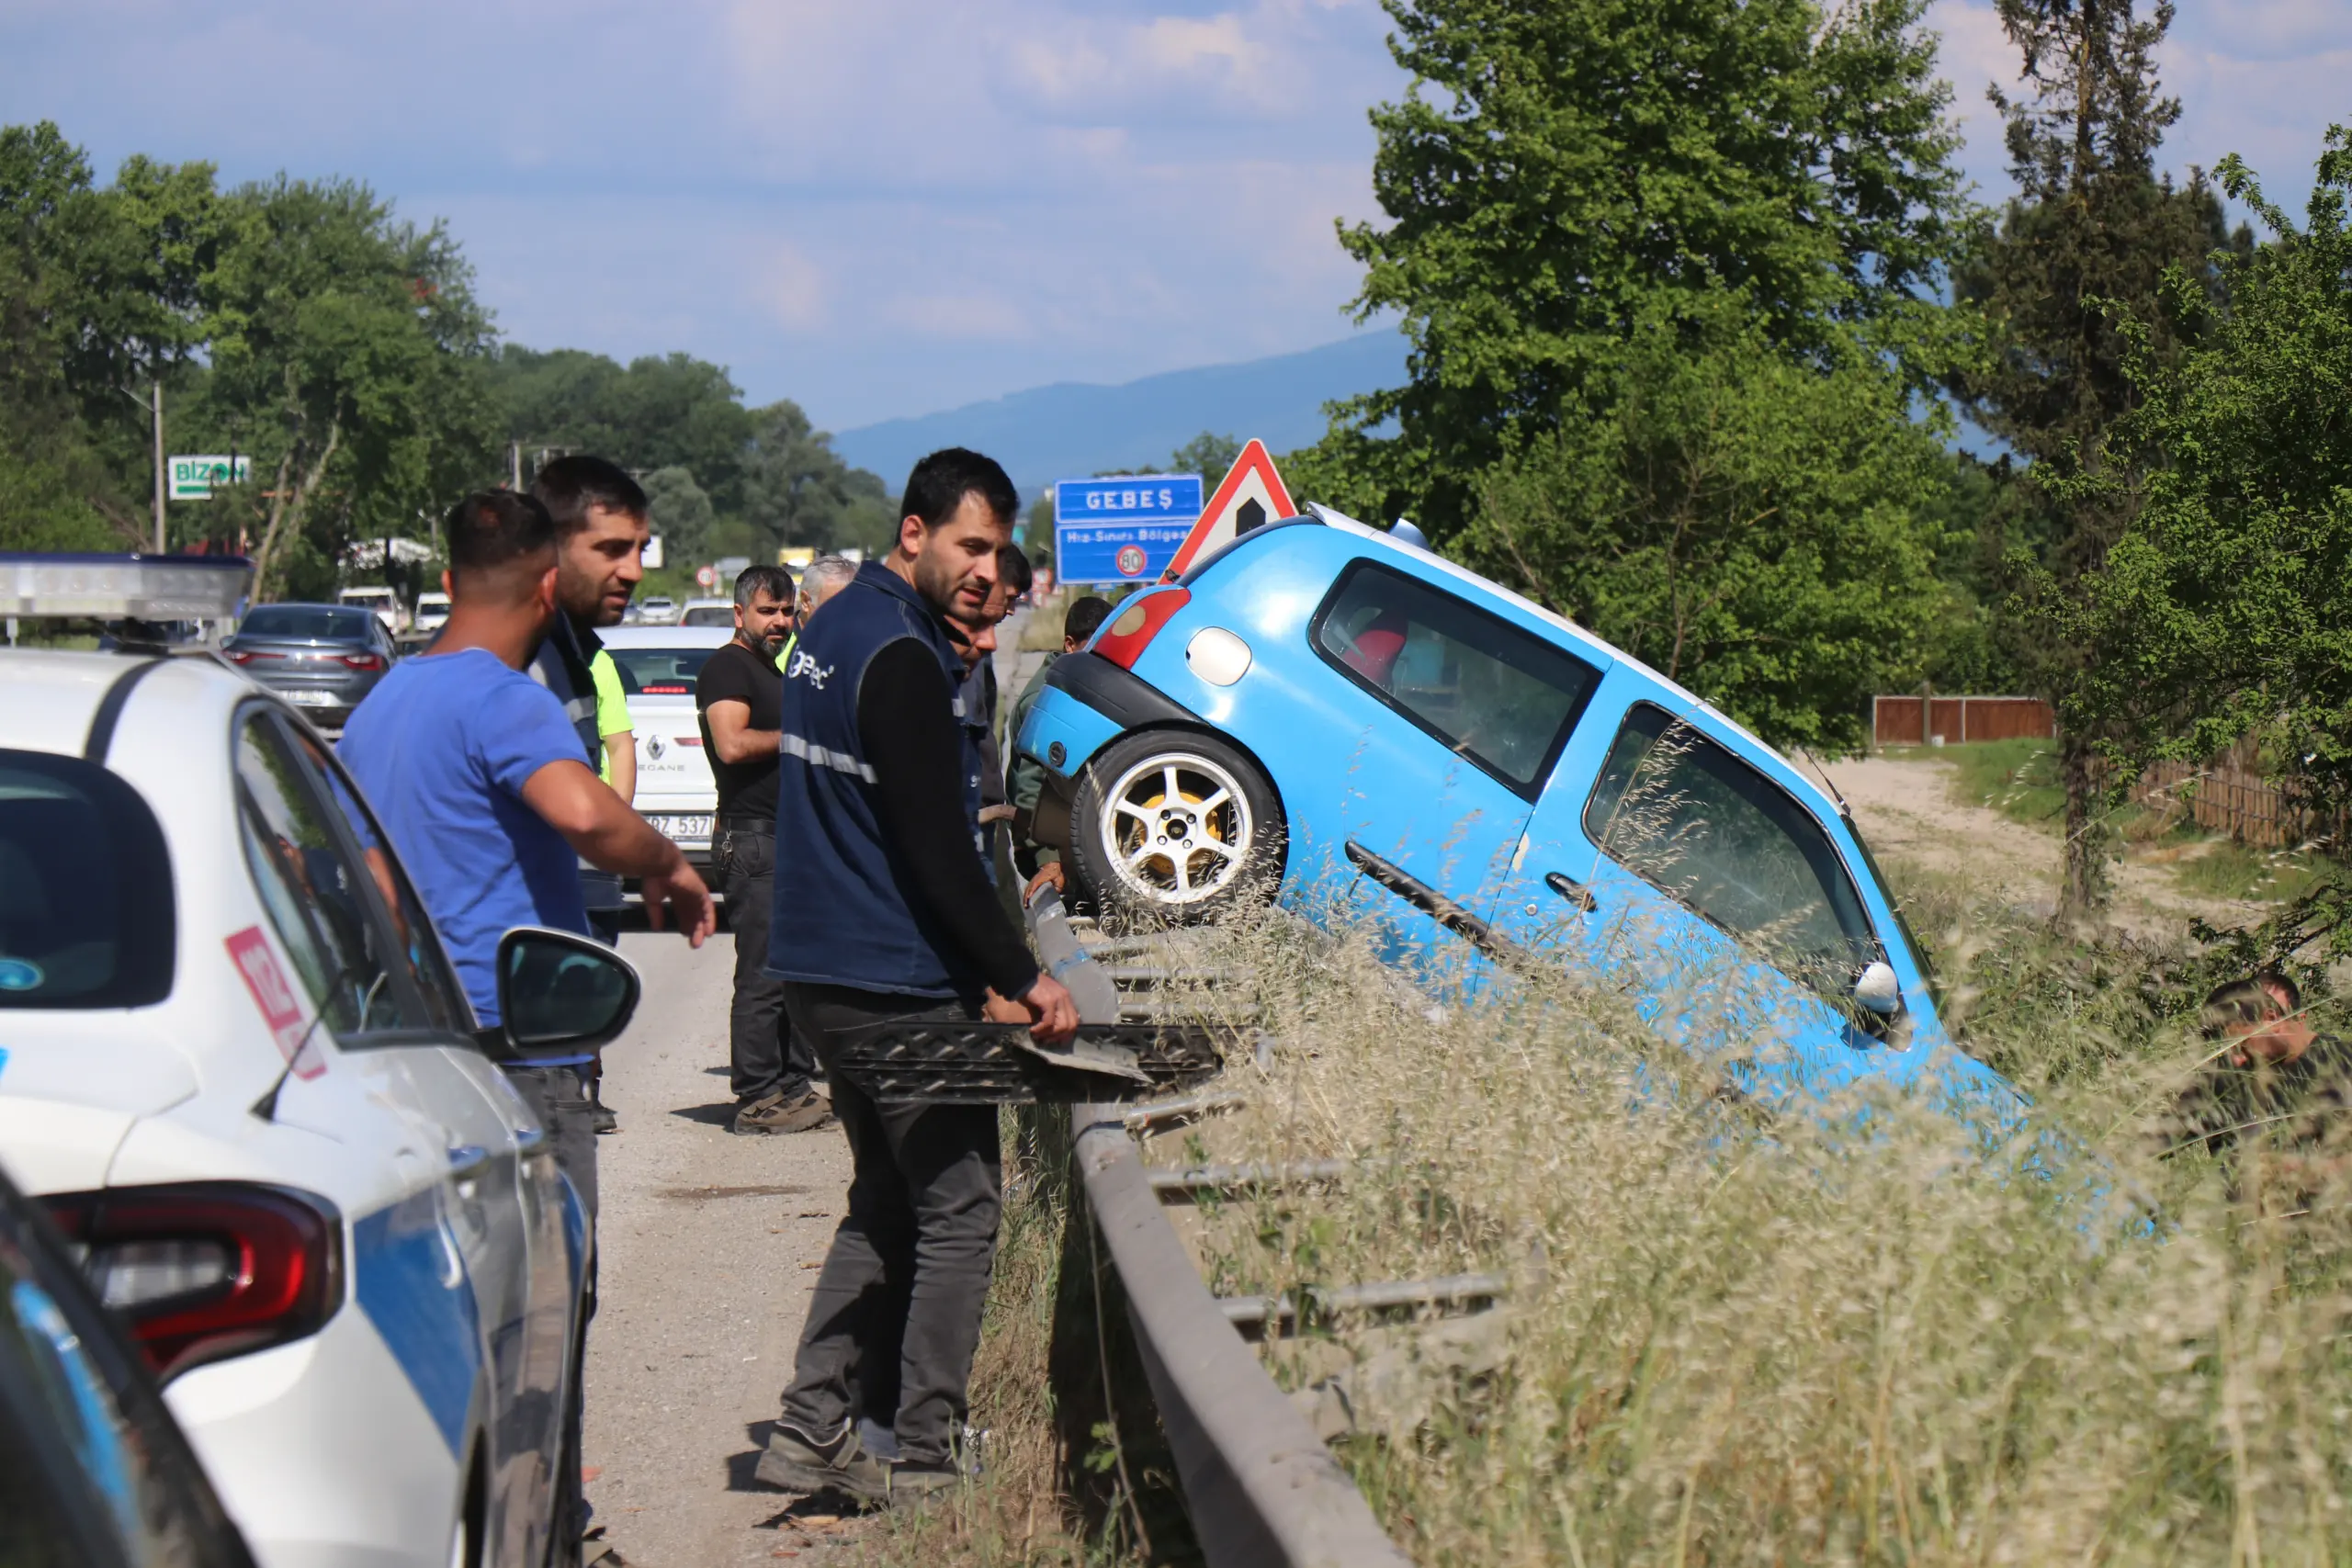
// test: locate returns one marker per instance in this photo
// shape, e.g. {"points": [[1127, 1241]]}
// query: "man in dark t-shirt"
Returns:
{"points": [[738, 695], [2275, 1082]]}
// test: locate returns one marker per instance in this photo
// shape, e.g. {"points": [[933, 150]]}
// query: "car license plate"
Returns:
{"points": [[312, 699], [681, 828]]}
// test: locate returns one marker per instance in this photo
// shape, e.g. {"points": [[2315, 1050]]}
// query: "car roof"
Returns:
{"points": [[666, 637], [54, 697], [1415, 558]]}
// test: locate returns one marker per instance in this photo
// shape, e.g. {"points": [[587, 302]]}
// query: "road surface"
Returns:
{"points": [[710, 1243]]}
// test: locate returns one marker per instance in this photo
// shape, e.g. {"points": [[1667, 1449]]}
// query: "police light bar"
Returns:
{"points": [[135, 588]]}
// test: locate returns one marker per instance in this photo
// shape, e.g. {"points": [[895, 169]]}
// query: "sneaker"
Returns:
{"points": [[601, 1117], [795, 1462], [778, 1114]]}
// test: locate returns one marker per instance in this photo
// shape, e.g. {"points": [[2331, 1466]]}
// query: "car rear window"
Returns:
{"points": [[314, 621], [708, 615], [86, 911], [660, 672], [1494, 693]]}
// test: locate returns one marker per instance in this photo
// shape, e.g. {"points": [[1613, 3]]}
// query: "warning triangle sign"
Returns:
{"points": [[1251, 496]]}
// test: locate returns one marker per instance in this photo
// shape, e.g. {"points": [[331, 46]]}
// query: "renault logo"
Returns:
{"points": [[654, 748]]}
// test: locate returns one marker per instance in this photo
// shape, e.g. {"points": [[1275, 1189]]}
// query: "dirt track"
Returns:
{"points": [[1912, 811]]}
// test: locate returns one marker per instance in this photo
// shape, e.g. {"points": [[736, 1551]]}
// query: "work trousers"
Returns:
{"points": [[896, 1316], [765, 1053]]}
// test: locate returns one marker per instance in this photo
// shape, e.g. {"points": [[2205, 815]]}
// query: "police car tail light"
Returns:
{"points": [[1122, 639], [204, 1269]]}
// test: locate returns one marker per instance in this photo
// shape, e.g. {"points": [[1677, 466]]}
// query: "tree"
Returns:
{"points": [[348, 348], [660, 411], [797, 490], [680, 513], [2225, 607], [2078, 256], [1208, 455], [1584, 170], [1746, 523]]}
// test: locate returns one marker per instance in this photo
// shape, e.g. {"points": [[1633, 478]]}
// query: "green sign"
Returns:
{"points": [[192, 479]]}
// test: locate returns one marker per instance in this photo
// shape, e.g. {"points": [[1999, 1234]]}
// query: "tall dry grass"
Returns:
{"points": [[1868, 1336]]}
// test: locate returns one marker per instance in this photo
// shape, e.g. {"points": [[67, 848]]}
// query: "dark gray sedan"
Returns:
{"points": [[321, 658]]}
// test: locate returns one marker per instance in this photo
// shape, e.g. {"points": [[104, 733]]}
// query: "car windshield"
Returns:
{"points": [[1685, 814], [708, 615], [660, 672], [315, 623], [86, 910]]}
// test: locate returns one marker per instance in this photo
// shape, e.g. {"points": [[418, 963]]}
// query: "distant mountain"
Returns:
{"points": [[1073, 429]]}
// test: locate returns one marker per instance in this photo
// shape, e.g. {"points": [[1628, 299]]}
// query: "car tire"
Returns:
{"points": [[1176, 827]]}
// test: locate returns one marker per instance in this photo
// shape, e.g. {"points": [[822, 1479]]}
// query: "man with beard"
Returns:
{"points": [[738, 695], [885, 913]]}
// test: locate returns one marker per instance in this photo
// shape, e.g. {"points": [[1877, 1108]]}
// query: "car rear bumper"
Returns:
{"points": [[1087, 703]]}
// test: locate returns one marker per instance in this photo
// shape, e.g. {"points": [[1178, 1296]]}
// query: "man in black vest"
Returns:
{"points": [[884, 911]]}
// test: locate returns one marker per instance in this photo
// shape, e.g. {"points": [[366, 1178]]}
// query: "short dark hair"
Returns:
{"points": [[2244, 1003], [492, 530], [761, 577], [570, 488], [941, 482], [1084, 616], [1015, 572]]}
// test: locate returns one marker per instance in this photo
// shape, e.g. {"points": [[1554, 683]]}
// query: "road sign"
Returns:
{"points": [[1251, 496], [707, 578], [192, 477], [1121, 529]]}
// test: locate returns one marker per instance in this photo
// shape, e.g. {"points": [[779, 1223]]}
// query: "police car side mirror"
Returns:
{"points": [[560, 993]]}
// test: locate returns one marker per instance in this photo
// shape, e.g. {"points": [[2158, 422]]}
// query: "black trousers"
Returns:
{"points": [[765, 1055], [896, 1316]]}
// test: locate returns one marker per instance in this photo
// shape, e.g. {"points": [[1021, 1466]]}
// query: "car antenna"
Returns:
{"points": [[1835, 792], [267, 1106]]}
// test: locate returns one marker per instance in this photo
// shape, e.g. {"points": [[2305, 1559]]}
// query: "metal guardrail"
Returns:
{"points": [[1261, 1488]]}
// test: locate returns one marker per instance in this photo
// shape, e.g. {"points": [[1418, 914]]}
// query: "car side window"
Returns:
{"points": [[1502, 697], [320, 901], [420, 950], [1686, 815]]}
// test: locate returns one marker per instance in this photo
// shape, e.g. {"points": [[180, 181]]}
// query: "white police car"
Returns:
{"points": [[236, 1066]]}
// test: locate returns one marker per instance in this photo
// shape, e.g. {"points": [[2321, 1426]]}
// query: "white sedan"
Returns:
{"points": [[659, 667], [237, 1068]]}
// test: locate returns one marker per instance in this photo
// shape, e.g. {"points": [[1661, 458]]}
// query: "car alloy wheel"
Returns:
{"points": [[1177, 828]]}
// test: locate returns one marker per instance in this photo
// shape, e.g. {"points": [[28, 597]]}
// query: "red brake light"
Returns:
{"points": [[247, 655], [665, 690], [1122, 639], [688, 739], [364, 660], [204, 1269]]}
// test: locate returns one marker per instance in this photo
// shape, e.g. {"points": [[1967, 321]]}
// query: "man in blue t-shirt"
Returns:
{"points": [[482, 785]]}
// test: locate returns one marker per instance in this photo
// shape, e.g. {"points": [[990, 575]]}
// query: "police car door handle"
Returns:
{"points": [[1574, 892], [467, 1159]]}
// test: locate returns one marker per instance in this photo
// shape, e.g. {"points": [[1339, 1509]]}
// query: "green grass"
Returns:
{"points": [[2017, 778], [2230, 870]]}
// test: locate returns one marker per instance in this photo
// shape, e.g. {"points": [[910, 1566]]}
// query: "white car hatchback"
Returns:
{"points": [[235, 1065]]}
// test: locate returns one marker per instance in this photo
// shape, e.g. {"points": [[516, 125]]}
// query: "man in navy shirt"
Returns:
{"points": [[481, 783]]}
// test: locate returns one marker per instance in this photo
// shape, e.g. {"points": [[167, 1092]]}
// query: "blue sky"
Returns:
{"points": [[888, 207]]}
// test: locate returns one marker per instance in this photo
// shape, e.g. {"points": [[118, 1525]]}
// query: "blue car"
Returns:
{"points": [[1334, 716]]}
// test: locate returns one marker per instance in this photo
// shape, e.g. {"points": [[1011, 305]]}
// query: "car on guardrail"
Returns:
{"points": [[1336, 717], [238, 1070]]}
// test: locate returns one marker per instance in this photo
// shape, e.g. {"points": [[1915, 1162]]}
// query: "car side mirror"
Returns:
{"points": [[1876, 990], [560, 993]]}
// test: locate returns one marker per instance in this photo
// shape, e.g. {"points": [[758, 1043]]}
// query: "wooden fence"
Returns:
{"points": [[1914, 721], [2226, 797]]}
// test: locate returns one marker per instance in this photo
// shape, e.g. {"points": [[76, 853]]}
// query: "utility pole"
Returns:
{"points": [[162, 544]]}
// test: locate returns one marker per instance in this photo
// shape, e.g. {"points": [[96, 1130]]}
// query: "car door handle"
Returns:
{"points": [[1574, 892], [467, 1159], [1430, 902]]}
